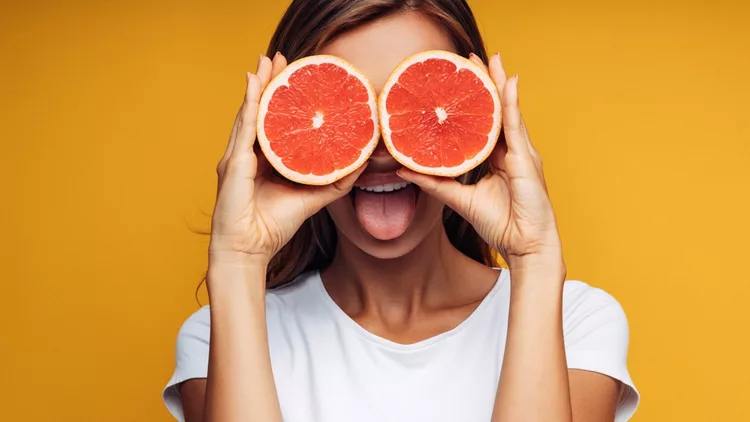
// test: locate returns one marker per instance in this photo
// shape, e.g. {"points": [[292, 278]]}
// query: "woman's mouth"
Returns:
{"points": [[388, 187], [384, 210]]}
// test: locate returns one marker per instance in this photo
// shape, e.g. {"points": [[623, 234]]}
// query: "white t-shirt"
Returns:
{"points": [[327, 368]]}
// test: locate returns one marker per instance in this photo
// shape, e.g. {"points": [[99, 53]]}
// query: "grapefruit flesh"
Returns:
{"points": [[439, 114], [317, 120]]}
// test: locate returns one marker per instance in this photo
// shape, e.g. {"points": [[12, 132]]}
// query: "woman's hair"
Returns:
{"points": [[307, 27]]}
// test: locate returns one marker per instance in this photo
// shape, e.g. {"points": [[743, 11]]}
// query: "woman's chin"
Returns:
{"points": [[389, 248], [422, 229]]}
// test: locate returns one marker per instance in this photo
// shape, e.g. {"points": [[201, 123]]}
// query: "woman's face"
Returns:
{"points": [[386, 224]]}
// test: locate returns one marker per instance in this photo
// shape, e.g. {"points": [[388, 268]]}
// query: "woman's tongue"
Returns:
{"points": [[385, 215]]}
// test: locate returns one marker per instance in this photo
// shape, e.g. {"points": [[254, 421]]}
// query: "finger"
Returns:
{"points": [[233, 135], [272, 67], [237, 119], [265, 67], [529, 144], [317, 197], [512, 122], [279, 63], [264, 167], [497, 157], [515, 138], [230, 145], [266, 70], [497, 72], [246, 125], [534, 154], [448, 191], [478, 61]]}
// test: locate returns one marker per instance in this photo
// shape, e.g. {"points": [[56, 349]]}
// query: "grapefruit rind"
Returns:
{"points": [[282, 79], [461, 63]]}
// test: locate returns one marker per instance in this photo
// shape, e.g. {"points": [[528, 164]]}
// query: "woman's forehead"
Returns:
{"points": [[378, 47]]}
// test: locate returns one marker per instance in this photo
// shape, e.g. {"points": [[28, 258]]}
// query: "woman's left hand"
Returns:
{"points": [[509, 207]]}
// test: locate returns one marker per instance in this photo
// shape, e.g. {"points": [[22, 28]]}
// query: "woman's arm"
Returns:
{"points": [[193, 398], [534, 379], [238, 346], [535, 383], [254, 216], [240, 385], [510, 208]]}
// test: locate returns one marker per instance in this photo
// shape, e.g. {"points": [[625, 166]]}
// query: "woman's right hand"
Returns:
{"points": [[257, 212]]}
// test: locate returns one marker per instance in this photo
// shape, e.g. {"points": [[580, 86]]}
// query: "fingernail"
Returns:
{"points": [[471, 55], [276, 56], [260, 59]]}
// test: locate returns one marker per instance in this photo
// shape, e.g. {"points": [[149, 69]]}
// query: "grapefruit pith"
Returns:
{"points": [[317, 120], [439, 113]]}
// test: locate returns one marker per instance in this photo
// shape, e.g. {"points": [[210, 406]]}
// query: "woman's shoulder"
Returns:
{"points": [[299, 295], [597, 337], [198, 324], [584, 303], [576, 292], [590, 315], [296, 295]]}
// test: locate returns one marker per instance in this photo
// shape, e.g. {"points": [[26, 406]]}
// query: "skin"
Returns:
{"points": [[396, 289]]}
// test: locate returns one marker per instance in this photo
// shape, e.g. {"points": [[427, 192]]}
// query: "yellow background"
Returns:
{"points": [[114, 115]]}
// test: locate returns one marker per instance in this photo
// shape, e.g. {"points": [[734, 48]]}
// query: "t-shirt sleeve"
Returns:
{"points": [[596, 339], [191, 358]]}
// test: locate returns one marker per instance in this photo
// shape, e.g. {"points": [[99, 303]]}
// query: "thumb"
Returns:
{"points": [[320, 196], [448, 191]]}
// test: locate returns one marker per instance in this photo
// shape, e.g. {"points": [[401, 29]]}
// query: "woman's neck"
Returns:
{"points": [[433, 275]]}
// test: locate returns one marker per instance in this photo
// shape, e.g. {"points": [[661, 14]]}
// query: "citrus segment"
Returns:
{"points": [[317, 120], [439, 113]]}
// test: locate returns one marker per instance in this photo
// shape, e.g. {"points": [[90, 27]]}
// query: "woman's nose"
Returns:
{"points": [[381, 150], [382, 161]]}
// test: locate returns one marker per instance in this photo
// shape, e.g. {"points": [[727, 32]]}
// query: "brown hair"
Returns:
{"points": [[306, 27]]}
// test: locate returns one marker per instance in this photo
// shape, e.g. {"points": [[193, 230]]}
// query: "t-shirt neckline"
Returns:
{"points": [[347, 321]]}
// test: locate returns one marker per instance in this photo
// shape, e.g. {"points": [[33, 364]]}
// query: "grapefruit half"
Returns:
{"points": [[317, 120], [439, 113]]}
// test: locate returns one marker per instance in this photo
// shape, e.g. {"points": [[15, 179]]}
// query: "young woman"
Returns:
{"points": [[323, 312]]}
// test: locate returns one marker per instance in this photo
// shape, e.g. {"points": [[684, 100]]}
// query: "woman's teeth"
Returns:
{"points": [[388, 187]]}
